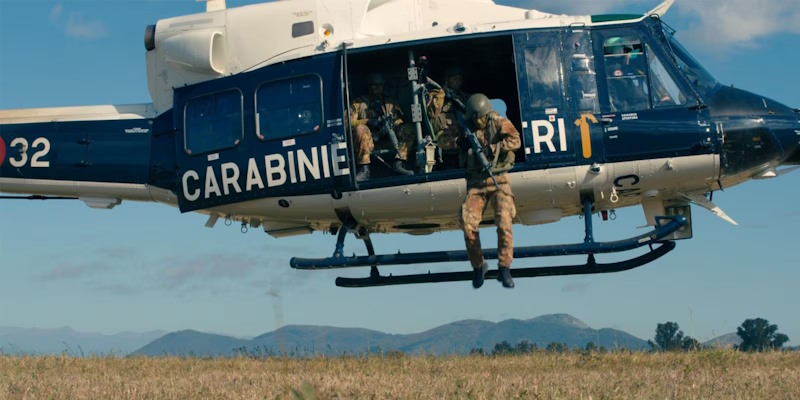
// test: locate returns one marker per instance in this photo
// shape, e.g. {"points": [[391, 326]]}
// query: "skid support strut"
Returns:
{"points": [[338, 253]]}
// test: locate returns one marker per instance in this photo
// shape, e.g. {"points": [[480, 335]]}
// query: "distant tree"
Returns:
{"points": [[525, 347], [690, 344], [590, 347], [758, 335], [556, 347], [477, 351], [668, 337], [502, 348]]}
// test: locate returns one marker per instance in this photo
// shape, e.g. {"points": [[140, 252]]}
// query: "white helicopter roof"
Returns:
{"points": [[222, 42]]}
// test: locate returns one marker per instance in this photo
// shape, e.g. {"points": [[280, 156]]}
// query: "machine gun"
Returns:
{"points": [[384, 124]]}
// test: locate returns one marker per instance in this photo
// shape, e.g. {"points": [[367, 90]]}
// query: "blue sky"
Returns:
{"points": [[145, 266]]}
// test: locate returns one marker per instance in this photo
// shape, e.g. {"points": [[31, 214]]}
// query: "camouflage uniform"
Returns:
{"points": [[497, 131], [442, 113], [363, 110]]}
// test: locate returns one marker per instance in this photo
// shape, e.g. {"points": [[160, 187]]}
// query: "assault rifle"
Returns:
{"points": [[385, 124], [474, 143], [477, 150]]}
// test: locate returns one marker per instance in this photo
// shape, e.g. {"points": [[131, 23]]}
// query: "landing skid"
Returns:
{"points": [[588, 247], [591, 267]]}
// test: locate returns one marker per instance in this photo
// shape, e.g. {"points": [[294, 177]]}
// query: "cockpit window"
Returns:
{"points": [[665, 91], [626, 73], [699, 77]]}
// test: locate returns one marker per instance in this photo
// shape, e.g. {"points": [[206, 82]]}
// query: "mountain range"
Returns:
{"points": [[34, 341], [454, 338]]}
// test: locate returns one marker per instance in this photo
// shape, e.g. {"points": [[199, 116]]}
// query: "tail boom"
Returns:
{"points": [[100, 154]]}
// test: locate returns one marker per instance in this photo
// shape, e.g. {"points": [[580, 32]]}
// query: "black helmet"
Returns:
{"points": [[478, 105], [375, 79]]}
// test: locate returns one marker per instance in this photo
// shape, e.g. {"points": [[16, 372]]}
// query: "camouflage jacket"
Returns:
{"points": [[442, 112], [502, 138], [363, 109]]}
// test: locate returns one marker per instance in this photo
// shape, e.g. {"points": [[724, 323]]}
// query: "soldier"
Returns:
{"points": [[499, 139], [442, 111], [625, 66], [369, 131]]}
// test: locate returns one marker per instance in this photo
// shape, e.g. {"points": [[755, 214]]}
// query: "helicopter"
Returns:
{"points": [[256, 131]]}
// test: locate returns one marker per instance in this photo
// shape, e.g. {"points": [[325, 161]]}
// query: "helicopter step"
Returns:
{"points": [[588, 247]]}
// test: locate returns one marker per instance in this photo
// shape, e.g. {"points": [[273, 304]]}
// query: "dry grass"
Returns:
{"points": [[709, 374]]}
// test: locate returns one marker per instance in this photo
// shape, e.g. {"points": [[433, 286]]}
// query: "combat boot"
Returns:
{"points": [[400, 169], [363, 173], [478, 274], [504, 276]]}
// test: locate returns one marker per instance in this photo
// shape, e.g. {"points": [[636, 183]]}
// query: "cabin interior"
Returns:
{"points": [[487, 64]]}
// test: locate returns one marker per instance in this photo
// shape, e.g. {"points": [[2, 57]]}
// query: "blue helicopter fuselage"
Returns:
{"points": [[619, 112]]}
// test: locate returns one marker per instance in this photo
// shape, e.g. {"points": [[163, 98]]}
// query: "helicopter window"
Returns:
{"points": [[626, 74], [665, 91], [699, 77], [213, 122], [289, 107], [544, 71], [302, 29], [582, 79]]}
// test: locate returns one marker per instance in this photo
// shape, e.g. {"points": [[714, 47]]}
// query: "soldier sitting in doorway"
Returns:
{"points": [[374, 118], [442, 110]]}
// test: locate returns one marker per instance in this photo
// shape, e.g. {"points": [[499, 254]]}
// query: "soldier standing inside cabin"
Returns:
{"points": [[365, 118], [499, 139], [442, 111]]}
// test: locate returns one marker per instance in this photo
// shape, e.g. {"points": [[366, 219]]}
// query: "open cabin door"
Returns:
{"points": [[277, 131]]}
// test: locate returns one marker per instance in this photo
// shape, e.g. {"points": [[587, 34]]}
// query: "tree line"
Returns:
{"points": [[756, 334]]}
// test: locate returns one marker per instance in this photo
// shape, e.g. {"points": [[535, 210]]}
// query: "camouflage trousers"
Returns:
{"points": [[479, 191], [365, 145]]}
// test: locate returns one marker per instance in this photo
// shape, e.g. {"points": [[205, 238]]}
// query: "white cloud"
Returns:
{"points": [[210, 268], [578, 287], [722, 24], [78, 27], [55, 13], [716, 25], [118, 252], [72, 271]]}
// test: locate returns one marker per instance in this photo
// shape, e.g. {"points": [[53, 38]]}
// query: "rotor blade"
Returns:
{"points": [[702, 201], [661, 9]]}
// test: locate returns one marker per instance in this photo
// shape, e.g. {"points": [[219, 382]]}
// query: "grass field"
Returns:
{"points": [[707, 374]]}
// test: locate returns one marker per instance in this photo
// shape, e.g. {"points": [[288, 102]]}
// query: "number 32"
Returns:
{"points": [[23, 153]]}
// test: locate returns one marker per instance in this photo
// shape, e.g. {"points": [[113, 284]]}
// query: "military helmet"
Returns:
{"points": [[375, 79], [478, 105]]}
